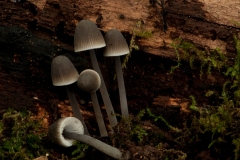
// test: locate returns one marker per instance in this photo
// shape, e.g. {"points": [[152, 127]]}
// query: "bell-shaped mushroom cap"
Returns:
{"points": [[87, 36], [116, 44], [63, 71], [69, 124], [89, 81]]}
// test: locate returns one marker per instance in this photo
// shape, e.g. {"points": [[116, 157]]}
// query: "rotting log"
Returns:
{"points": [[207, 23], [25, 63], [25, 55]]}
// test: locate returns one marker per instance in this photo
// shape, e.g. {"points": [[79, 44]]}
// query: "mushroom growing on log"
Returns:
{"points": [[64, 73], [89, 81], [117, 46], [87, 36]]}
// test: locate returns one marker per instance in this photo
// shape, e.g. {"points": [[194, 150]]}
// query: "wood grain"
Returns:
{"points": [[207, 23]]}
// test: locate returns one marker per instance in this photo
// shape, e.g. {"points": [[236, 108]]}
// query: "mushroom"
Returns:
{"points": [[64, 73], [65, 130], [117, 46], [87, 36], [89, 81]]}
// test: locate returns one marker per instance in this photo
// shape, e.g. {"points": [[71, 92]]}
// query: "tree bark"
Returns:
{"points": [[207, 23]]}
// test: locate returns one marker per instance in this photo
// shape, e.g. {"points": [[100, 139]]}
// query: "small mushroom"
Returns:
{"points": [[87, 36], [89, 81], [117, 46], [64, 73], [65, 130], [70, 124]]}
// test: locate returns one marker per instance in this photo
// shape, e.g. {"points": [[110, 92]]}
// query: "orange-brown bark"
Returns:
{"points": [[207, 23]]}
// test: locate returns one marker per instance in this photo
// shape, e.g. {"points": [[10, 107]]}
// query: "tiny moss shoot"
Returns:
{"points": [[237, 24], [193, 106], [138, 31], [80, 151]]}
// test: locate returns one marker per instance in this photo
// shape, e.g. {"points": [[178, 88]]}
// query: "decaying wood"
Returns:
{"points": [[173, 109], [26, 55], [168, 102], [207, 23]]}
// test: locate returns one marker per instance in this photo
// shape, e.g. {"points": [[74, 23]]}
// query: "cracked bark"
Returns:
{"points": [[206, 23]]}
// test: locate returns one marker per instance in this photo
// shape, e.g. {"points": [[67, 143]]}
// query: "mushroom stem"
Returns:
{"points": [[98, 114], [99, 145], [121, 87], [103, 89], [75, 108]]}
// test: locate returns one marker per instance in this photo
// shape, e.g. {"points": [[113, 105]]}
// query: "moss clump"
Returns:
{"points": [[80, 151], [237, 24], [20, 136], [147, 130], [208, 58], [217, 125], [233, 72]]}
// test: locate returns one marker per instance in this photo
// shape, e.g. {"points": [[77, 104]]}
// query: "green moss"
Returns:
{"points": [[236, 142], [143, 33], [20, 136], [189, 52], [138, 133], [138, 31], [193, 106], [80, 151], [234, 73], [209, 93], [219, 123], [234, 70], [158, 118], [235, 23]]}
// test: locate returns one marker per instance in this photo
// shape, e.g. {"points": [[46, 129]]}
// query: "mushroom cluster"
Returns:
{"points": [[64, 73], [87, 36]]}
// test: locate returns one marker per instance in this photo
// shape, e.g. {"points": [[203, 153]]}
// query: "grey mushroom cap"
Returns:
{"points": [[69, 124], [116, 44], [63, 71], [87, 36], [89, 81]]}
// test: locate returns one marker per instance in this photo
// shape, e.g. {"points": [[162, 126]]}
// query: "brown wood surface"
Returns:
{"points": [[207, 23], [26, 55]]}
